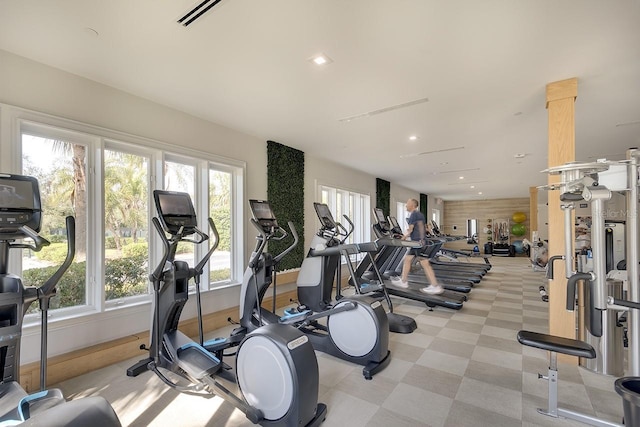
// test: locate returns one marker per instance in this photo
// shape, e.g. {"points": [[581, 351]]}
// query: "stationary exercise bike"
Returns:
{"points": [[276, 367], [20, 218], [356, 327]]}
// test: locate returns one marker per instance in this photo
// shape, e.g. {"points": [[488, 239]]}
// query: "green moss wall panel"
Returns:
{"points": [[285, 191]]}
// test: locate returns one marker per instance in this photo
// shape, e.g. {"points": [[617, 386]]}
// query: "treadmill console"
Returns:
{"points": [[325, 216], [19, 204], [395, 226], [176, 210], [382, 221], [263, 214]]}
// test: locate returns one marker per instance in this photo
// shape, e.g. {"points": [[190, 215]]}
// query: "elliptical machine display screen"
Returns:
{"points": [[325, 216], [19, 203], [176, 210], [262, 212]]}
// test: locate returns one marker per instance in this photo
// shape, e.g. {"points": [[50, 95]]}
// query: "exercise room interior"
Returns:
{"points": [[513, 125]]}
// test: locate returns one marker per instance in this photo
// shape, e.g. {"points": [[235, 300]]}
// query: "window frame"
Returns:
{"points": [[357, 202], [98, 139]]}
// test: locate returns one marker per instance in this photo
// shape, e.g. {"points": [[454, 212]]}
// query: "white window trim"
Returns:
{"points": [[14, 119], [362, 229]]}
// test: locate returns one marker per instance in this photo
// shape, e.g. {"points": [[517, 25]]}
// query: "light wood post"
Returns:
{"points": [[561, 149], [533, 212]]}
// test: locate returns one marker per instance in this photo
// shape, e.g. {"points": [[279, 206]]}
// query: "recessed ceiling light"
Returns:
{"points": [[520, 155], [461, 177], [413, 138], [320, 59], [480, 192], [473, 186]]}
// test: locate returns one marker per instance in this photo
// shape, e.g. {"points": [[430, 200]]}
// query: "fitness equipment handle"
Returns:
{"points": [[296, 239], [351, 228], [38, 240], [48, 289], [157, 273], [214, 245], [263, 242], [624, 303], [571, 287], [550, 264]]}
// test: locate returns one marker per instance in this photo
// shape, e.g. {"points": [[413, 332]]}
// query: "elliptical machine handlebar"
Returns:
{"points": [[46, 291], [170, 246], [264, 236], [214, 245], [348, 232], [167, 249], [296, 239], [38, 240]]}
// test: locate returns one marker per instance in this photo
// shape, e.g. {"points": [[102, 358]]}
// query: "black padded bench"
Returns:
{"points": [[571, 347]]}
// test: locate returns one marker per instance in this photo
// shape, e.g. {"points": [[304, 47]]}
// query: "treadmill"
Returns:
{"points": [[390, 261], [368, 268], [456, 272], [335, 236], [437, 248], [455, 253]]}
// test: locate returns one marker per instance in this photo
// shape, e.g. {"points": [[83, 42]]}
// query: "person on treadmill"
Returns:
{"points": [[416, 232]]}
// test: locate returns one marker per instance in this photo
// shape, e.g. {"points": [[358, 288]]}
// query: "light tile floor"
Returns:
{"points": [[459, 368]]}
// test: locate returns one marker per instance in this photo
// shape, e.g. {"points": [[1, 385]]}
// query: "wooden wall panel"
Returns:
{"points": [[457, 212], [560, 104]]}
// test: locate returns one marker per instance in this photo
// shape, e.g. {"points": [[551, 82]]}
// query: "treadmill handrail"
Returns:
{"points": [[391, 241]]}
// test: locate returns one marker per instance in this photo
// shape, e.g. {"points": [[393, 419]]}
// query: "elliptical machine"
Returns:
{"points": [[20, 218], [356, 329], [276, 367]]}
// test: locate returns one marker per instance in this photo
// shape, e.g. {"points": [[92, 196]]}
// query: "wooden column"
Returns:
{"points": [[533, 212], [561, 149]]}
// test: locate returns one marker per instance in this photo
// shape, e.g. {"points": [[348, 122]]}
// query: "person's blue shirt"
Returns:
{"points": [[417, 219]]}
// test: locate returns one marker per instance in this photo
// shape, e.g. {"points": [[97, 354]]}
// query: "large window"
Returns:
{"points": [[402, 215], [220, 210], [355, 205], [60, 164], [126, 227], [106, 183], [435, 216]]}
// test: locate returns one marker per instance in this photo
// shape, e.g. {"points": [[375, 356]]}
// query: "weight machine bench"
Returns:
{"points": [[555, 345]]}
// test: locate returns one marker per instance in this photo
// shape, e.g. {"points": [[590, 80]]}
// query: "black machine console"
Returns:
{"points": [[176, 211], [380, 218], [394, 223], [19, 205], [263, 214], [325, 216]]}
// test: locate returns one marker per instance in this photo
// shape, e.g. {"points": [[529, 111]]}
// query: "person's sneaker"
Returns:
{"points": [[399, 283], [432, 290]]}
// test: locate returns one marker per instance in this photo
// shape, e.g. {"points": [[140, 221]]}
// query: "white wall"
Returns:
{"points": [[34, 86], [401, 194]]}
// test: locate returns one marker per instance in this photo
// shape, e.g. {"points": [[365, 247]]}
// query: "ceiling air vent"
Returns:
{"points": [[384, 110], [197, 12]]}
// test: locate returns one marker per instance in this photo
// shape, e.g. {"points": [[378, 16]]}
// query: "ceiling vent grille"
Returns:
{"points": [[384, 110], [424, 153], [197, 12]]}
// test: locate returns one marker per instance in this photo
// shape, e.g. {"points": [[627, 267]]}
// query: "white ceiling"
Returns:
{"points": [[483, 65]]}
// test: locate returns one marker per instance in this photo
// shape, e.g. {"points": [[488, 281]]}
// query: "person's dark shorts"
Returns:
{"points": [[416, 252]]}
